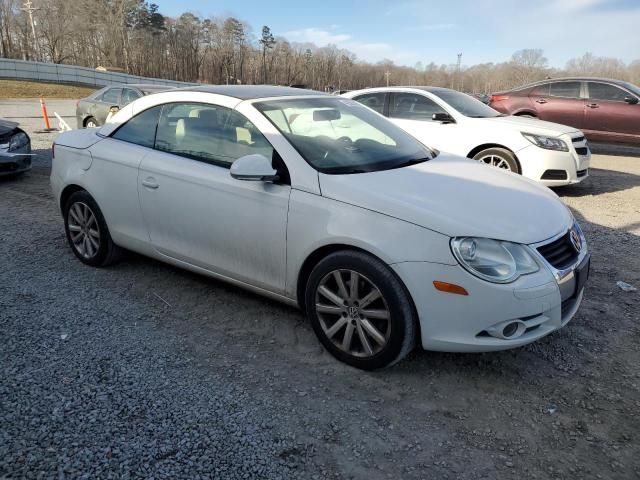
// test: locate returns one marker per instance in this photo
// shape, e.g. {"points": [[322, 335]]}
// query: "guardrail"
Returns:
{"points": [[56, 73]]}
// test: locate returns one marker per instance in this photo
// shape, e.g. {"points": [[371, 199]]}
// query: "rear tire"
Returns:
{"points": [[87, 231], [499, 158], [369, 327]]}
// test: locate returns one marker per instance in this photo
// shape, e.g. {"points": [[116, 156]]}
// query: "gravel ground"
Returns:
{"points": [[144, 370]]}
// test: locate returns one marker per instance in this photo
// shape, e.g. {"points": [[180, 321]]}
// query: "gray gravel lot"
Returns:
{"points": [[144, 370]]}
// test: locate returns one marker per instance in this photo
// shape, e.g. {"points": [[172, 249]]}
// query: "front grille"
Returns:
{"points": [[560, 253], [554, 175], [582, 150], [578, 139], [582, 173]]}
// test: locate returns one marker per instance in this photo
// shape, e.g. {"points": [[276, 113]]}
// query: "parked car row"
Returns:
{"points": [[320, 202]]}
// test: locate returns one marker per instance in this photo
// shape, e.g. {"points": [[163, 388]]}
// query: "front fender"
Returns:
{"points": [[315, 222]]}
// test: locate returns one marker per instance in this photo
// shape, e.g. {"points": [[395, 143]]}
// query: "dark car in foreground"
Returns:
{"points": [[605, 110], [15, 149], [92, 111]]}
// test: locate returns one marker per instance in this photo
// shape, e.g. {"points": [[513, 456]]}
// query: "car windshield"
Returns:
{"points": [[466, 104], [339, 135]]}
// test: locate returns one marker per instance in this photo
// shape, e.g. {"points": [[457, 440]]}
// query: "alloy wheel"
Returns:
{"points": [[84, 230], [353, 313], [495, 161]]}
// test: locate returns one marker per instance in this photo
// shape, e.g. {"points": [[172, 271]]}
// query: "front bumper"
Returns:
{"points": [[552, 168], [541, 303], [15, 162]]}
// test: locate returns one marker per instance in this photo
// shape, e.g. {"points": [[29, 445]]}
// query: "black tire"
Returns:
{"points": [[107, 252], [402, 323], [501, 153], [90, 119]]}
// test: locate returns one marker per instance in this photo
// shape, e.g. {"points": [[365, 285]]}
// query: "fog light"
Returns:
{"points": [[510, 330]]}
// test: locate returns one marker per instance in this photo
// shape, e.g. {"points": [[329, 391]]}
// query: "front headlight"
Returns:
{"points": [[17, 141], [548, 143], [493, 260]]}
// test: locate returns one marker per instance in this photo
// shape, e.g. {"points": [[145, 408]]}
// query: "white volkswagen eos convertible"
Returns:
{"points": [[319, 202]]}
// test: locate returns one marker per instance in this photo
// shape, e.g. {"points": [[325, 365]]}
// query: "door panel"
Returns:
{"points": [[560, 102], [121, 209], [197, 213], [608, 116]]}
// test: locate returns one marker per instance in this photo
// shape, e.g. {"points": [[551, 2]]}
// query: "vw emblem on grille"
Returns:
{"points": [[575, 240]]}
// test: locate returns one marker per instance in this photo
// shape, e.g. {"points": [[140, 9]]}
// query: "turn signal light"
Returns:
{"points": [[450, 288], [498, 98]]}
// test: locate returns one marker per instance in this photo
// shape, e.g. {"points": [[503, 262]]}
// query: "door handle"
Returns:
{"points": [[150, 183], [541, 100], [592, 105]]}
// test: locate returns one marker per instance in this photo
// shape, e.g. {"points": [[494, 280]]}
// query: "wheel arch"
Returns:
{"points": [[68, 191], [486, 146], [520, 113], [318, 254]]}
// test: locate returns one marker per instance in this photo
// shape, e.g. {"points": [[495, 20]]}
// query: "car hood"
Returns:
{"points": [[457, 197], [531, 125], [7, 126]]}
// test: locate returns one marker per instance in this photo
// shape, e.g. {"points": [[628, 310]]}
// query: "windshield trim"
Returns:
{"points": [[342, 170]]}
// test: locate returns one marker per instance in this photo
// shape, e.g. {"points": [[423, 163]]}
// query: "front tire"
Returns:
{"points": [[87, 231], [499, 158], [91, 123], [360, 310]]}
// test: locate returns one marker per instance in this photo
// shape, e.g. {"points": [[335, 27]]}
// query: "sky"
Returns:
{"points": [[411, 31]]}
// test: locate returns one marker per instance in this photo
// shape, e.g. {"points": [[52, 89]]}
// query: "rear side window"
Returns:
{"points": [[375, 101], [565, 89], [111, 96], [541, 91], [210, 134], [604, 91], [129, 96], [140, 129], [410, 106]]}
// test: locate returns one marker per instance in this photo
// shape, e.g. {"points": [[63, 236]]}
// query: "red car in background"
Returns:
{"points": [[605, 110]]}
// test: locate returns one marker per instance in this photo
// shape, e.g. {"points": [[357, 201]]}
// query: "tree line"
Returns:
{"points": [[134, 37]]}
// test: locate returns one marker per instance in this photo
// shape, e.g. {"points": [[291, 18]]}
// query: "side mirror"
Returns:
{"points": [[442, 117], [631, 100], [114, 109], [255, 167]]}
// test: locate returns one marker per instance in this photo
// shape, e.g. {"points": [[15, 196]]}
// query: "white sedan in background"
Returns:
{"points": [[319, 202], [455, 122]]}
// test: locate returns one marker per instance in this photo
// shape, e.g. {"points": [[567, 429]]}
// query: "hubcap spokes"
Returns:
{"points": [[495, 161], [353, 313], [83, 230]]}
